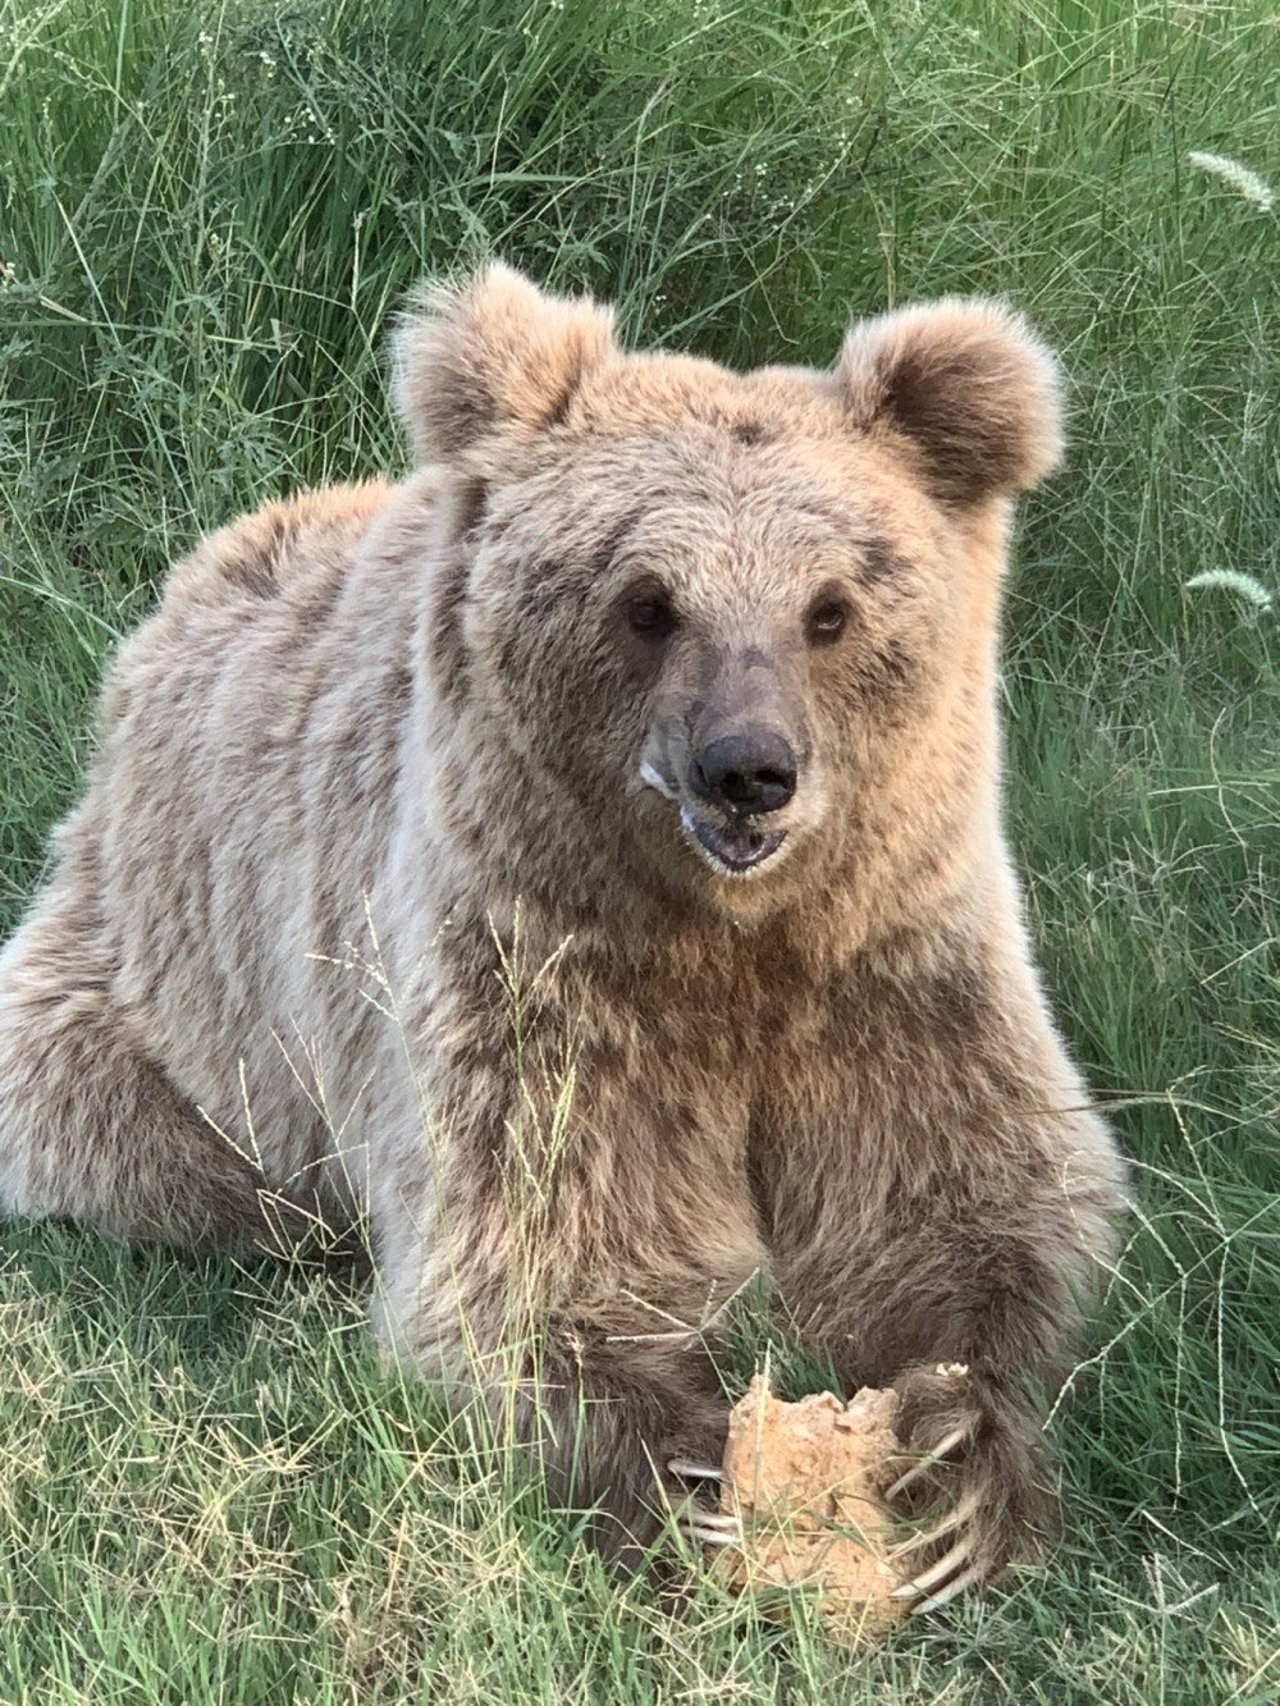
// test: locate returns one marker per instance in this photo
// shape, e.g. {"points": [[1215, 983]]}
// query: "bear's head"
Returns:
{"points": [[736, 630]]}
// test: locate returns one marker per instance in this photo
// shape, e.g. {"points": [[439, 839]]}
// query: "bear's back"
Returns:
{"points": [[243, 782]]}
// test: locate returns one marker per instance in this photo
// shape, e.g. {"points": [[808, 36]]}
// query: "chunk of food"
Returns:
{"points": [[806, 1481]]}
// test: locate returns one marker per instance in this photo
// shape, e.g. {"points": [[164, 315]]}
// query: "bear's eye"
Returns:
{"points": [[652, 615], [826, 621]]}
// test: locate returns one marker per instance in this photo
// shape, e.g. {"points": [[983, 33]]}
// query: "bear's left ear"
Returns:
{"points": [[490, 354], [968, 384]]}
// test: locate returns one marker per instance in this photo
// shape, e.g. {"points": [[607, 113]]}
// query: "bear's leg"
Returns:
{"points": [[961, 1324], [602, 1395], [937, 1222], [972, 1322], [92, 1130], [619, 1427]]}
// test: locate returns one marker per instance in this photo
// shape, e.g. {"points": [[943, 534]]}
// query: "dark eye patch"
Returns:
{"points": [[827, 618], [649, 611]]}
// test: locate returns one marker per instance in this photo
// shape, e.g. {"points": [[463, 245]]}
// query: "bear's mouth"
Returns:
{"points": [[731, 848], [734, 847]]}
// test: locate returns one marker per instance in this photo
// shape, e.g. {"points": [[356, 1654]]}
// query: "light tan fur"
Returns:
{"points": [[393, 893]]}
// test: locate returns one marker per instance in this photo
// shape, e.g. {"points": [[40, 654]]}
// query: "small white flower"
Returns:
{"points": [[1232, 580], [1245, 182]]}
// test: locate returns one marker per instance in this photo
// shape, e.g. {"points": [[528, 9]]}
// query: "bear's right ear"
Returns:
{"points": [[490, 355]]}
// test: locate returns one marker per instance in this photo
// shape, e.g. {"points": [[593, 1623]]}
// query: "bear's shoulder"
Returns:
{"points": [[285, 546]]}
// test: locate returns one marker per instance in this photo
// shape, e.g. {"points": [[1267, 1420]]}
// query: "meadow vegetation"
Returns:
{"points": [[208, 213]]}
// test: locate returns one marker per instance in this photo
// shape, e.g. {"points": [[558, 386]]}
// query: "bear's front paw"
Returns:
{"points": [[972, 1478]]}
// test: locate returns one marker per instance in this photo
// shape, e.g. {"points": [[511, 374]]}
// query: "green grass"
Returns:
{"points": [[208, 1490]]}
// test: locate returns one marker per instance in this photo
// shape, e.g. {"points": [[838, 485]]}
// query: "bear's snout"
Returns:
{"points": [[745, 774]]}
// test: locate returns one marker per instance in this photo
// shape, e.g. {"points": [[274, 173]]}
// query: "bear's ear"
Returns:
{"points": [[969, 384], [491, 353]]}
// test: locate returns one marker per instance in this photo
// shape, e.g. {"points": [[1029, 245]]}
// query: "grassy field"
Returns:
{"points": [[208, 1490]]}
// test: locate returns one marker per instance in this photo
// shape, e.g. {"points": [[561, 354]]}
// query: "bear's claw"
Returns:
{"points": [[964, 1512], [956, 1437], [945, 1567], [712, 1528], [689, 1471], [966, 1579]]}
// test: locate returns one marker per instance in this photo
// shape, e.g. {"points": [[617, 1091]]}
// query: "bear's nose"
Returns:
{"points": [[746, 773]]}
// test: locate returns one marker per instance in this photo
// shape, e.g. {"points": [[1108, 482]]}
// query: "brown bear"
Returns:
{"points": [[582, 863]]}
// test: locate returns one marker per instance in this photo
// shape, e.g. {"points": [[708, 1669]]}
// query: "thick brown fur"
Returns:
{"points": [[390, 895]]}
